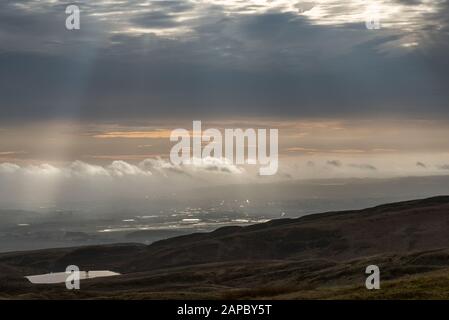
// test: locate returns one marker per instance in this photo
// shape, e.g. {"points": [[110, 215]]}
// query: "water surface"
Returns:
{"points": [[60, 277]]}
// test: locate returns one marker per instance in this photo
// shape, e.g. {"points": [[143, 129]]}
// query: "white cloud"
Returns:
{"points": [[212, 164], [80, 169], [42, 169], [80, 181], [119, 168], [122, 168], [8, 167]]}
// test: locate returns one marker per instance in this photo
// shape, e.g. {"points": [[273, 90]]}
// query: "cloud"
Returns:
{"points": [[122, 168], [119, 168], [170, 58], [301, 150], [82, 169], [162, 167], [11, 153], [363, 166], [213, 164], [334, 163], [421, 164], [9, 168], [81, 181], [44, 169], [156, 19], [193, 166], [155, 134], [348, 151]]}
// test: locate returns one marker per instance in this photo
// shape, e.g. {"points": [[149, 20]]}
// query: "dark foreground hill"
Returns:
{"points": [[317, 256]]}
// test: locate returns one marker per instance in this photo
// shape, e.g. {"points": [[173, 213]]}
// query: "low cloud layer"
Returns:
{"points": [[122, 169], [153, 178], [80, 181]]}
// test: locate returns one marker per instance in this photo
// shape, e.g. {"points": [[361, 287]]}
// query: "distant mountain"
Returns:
{"points": [[286, 258]]}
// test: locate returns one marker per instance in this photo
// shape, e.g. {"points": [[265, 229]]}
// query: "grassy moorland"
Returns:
{"points": [[321, 256]]}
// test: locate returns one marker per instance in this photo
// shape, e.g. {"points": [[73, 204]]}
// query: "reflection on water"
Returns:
{"points": [[60, 277], [137, 222]]}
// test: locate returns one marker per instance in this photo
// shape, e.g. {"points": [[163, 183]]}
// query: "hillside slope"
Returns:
{"points": [[296, 258]]}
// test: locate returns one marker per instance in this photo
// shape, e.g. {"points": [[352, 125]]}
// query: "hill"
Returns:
{"points": [[317, 256]]}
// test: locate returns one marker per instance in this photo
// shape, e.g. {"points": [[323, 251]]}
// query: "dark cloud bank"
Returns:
{"points": [[228, 64]]}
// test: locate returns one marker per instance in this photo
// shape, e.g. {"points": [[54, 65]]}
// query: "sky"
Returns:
{"points": [[101, 101], [153, 59]]}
